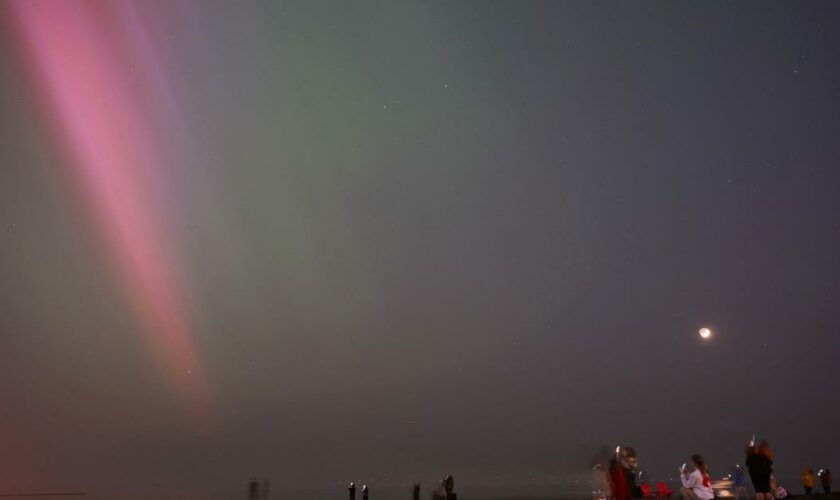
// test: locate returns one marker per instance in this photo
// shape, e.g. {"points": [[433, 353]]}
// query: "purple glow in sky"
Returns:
{"points": [[111, 122]]}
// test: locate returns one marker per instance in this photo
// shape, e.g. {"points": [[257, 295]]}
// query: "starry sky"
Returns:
{"points": [[331, 241]]}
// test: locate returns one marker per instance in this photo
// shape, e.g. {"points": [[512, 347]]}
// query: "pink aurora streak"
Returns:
{"points": [[91, 65]]}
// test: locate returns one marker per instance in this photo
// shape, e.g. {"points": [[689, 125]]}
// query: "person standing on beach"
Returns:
{"points": [[440, 492], [697, 484], [449, 484], [760, 468], [364, 492], [415, 493], [600, 484], [622, 475], [825, 479], [352, 490], [739, 480], [618, 481], [807, 479], [599, 466]]}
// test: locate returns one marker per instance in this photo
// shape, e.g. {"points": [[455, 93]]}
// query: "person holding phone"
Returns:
{"points": [[696, 485], [760, 467], [622, 475]]}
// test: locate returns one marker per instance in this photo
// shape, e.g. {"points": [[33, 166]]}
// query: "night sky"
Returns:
{"points": [[340, 241]]}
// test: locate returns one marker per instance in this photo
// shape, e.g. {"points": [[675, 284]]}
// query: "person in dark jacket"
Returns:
{"points": [[415, 493], [760, 467], [352, 490], [825, 479], [449, 484], [631, 469], [253, 489]]}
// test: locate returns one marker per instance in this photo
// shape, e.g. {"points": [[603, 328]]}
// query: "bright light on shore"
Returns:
{"points": [[705, 333]]}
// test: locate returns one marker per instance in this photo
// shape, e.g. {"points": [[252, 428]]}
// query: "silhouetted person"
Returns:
{"points": [[364, 492], [449, 485], [825, 479], [415, 494], [739, 480], [760, 467], [807, 479], [253, 489], [440, 492], [599, 464], [352, 490]]}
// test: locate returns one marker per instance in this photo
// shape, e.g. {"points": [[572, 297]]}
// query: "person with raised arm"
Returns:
{"points": [[760, 467]]}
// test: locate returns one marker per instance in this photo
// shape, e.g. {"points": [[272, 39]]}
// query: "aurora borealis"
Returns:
{"points": [[112, 125], [385, 241]]}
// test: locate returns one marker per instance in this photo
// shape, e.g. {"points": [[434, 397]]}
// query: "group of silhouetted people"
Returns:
{"points": [[444, 491], [615, 476], [623, 471], [258, 489], [621, 475], [352, 490], [808, 479], [760, 466], [618, 480]]}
